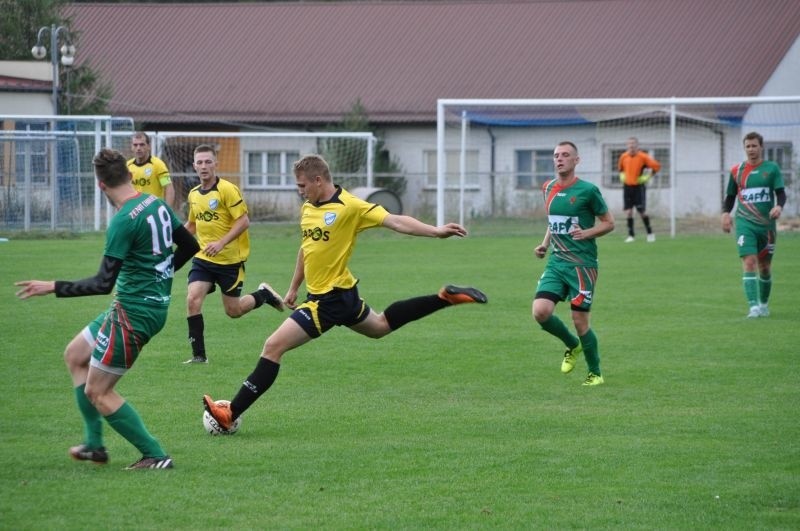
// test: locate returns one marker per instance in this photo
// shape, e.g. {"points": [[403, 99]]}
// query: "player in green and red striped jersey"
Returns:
{"points": [[140, 262], [572, 206], [757, 185]]}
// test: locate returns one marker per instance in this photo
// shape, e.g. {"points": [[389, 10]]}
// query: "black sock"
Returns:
{"points": [[263, 296], [646, 220], [260, 295], [261, 379], [196, 339], [403, 312], [630, 227]]}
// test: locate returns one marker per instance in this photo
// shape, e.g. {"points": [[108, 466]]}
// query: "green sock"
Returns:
{"points": [[92, 420], [591, 352], [555, 326], [750, 288], [764, 287], [127, 422]]}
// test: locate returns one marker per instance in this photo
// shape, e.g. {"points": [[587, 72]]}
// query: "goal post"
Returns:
{"points": [[504, 148], [46, 170], [47, 179]]}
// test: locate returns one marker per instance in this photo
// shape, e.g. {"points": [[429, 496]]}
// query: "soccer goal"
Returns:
{"points": [[494, 155], [46, 170], [48, 180]]}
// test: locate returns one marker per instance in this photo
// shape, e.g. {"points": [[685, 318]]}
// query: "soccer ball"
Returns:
{"points": [[211, 425]]}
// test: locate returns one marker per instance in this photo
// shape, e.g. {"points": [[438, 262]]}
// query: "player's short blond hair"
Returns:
{"points": [[311, 166]]}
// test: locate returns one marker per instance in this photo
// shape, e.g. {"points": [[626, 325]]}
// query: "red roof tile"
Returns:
{"points": [[308, 62]]}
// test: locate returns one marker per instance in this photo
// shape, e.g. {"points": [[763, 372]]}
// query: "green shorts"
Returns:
{"points": [[561, 282], [119, 333], [755, 239]]}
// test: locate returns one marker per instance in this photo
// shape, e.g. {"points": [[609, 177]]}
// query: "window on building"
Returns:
{"points": [[612, 152], [781, 154], [453, 177], [268, 169], [31, 154], [534, 167]]}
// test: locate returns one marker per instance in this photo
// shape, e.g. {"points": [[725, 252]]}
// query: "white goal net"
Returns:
{"points": [[46, 171], [48, 180], [494, 155]]}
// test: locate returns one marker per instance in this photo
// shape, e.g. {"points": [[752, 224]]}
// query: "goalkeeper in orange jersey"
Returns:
{"points": [[636, 168]]}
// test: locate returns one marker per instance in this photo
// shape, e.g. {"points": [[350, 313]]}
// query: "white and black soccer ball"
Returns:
{"points": [[212, 427]]}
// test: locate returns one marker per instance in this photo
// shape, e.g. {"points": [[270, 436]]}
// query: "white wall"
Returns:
{"points": [[785, 80], [13, 102], [25, 103]]}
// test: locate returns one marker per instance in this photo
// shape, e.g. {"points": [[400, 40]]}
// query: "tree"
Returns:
{"points": [[83, 91], [346, 156]]}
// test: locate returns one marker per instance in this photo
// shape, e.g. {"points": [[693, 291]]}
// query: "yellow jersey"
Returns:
{"points": [[150, 177], [214, 211], [329, 232]]}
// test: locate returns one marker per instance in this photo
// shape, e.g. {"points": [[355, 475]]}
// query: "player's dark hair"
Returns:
{"points": [[111, 168], [568, 143], [754, 136], [141, 134], [311, 166], [205, 148]]}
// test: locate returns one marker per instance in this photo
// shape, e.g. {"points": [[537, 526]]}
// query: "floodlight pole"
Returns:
{"points": [[39, 51]]}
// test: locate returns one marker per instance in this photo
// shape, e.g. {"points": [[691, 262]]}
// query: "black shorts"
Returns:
{"points": [[339, 307], [634, 196], [230, 277]]}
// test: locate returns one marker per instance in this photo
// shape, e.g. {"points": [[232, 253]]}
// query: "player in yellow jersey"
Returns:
{"points": [[330, 220], [218, 217], [148, 173]]}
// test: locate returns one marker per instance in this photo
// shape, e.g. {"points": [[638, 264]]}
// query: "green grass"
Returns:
{"points": [[460, 420]]}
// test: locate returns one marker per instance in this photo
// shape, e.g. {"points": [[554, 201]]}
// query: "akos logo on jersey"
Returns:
{"points": [[206, 216], [209, 216], [317, 234], [562, 224], [142, 181], [755, 195]]}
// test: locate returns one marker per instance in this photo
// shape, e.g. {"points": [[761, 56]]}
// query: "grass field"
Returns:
{"points": [[461, 420]]}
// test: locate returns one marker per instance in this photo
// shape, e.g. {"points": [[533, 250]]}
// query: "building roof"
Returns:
{"points": [[19, 84], [309, 62]]}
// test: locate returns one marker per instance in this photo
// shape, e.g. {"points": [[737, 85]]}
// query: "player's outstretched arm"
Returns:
{"points": [[414, 227], [100, 284]]}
